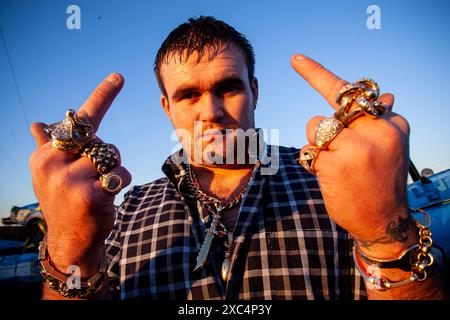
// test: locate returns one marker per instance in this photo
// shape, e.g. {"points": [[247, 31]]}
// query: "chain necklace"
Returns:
{"points": [[217, 228], [195, 190]]}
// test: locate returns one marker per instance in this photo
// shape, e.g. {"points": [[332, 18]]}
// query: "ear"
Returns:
{"points": [[254, 87], [165, 104]]}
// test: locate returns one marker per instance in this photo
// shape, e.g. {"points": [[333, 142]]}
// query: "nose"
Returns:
{"points": [[211, 108]]}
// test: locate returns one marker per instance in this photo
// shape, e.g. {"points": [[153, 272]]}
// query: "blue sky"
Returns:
{"points": [[56, 68]]}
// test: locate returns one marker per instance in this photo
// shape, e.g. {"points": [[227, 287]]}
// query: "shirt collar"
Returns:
{"points": [[174, 168]]}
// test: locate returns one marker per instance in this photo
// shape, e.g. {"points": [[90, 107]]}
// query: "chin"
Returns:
{"points": [[216, 157]]}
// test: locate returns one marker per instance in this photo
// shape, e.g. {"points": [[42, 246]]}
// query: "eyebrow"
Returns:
{"points": [[184, 89]]}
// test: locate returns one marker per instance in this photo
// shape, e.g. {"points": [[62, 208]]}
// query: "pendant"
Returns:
{"points": [[212, 232], [226, 267], [225, 272], [204, 251]]}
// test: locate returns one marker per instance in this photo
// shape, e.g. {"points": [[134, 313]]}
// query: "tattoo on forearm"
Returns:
{"points": [[395, 232]]}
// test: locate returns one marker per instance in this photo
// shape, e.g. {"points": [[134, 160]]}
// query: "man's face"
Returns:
{"points": [[204, 98]]}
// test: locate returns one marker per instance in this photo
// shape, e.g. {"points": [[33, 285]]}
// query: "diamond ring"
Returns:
{"points": [[70, 134], [327, 129]]}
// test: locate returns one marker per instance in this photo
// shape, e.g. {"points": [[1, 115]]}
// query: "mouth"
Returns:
{"points": [[213, 133]]}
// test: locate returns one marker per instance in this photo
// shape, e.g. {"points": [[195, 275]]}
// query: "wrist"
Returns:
{"points": [[391, 250], [416, 260], [73, 284], [389, 238], [66, 256]]}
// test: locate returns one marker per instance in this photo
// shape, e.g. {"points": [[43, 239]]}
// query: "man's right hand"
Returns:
{"points": [[78, 212]]}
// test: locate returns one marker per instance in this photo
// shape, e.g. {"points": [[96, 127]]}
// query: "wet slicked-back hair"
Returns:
{"points": [[197, 35]]}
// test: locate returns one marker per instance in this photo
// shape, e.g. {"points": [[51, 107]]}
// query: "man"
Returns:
{"points": [[214, 229]]}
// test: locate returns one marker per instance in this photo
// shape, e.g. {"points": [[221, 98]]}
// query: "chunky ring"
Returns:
{"points": [[111, 183], [364, 92], [347, 117], [102, 155], [70, 134], [371, 88], [327, 129], [367, 106], [346, 95], [308, 157]]}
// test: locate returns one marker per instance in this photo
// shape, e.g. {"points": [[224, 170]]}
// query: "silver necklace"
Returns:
{"points": [[217, 228]]}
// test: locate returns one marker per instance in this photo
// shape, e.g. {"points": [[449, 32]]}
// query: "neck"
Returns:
{"points": [[223, 182]]}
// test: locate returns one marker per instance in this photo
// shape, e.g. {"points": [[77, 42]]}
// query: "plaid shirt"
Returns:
{"points": [[285, 244]]}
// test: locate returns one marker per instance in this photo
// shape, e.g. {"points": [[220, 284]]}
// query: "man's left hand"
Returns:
{"points": [[363, 171]]}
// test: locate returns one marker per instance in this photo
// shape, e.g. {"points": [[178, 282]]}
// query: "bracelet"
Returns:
{"points": [[403, 262], [380, 283], [419, 256], [61, 283]]}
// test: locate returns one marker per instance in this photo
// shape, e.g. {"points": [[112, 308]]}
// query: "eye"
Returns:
{"points": [[189, 95], [228, 89]]}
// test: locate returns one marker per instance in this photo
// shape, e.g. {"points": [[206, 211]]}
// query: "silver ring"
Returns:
{"points": [[70, 134]]}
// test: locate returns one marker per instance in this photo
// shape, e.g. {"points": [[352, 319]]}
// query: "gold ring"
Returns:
{"points": [[111, 182], [371, 88], [327, 129], [347, 117], [70, 134], [308, 157], [367, 106], [346, 95], [364, 93], [102, 155]]}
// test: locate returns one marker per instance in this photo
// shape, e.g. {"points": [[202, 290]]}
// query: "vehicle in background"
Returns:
{"points": [[29, 217], [20, 235], [431, 193]]}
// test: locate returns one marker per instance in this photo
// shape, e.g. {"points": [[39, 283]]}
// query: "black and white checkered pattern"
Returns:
{"points": [[285, 244]]}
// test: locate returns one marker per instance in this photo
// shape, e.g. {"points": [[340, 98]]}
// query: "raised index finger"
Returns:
{"points": [[100, 99], [321, 79]]}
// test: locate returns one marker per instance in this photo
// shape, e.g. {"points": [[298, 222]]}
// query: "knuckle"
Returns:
{"points": [[100, 94], [32, 159], [127, 177], [404, 124], [393, 138], [313, 122], [317, 68], [38, 161], [85, 116], [316, 119]]}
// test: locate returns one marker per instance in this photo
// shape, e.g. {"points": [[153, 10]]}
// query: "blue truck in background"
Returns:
{"points": [[432, 194]]}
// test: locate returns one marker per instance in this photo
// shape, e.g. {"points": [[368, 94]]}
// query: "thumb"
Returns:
{"points": [[37, 131]]}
